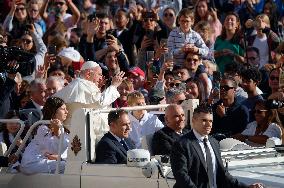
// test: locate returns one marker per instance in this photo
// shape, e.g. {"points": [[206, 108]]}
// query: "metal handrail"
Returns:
{"points": [[22, 124], [29, 134]]}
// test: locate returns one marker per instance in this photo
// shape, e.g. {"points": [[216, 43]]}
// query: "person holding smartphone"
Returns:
{"points": [[184, 39]]}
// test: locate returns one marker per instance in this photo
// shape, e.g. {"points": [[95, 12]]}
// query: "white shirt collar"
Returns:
{"points": [[39, 107], [198, 136], [116, 137]]}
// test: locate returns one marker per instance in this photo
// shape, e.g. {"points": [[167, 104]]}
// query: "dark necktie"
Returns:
{"points": [[209, 163], [124, 144]]}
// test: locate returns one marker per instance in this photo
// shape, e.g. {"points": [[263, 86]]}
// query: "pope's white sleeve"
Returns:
{"points": [[109, 96]]}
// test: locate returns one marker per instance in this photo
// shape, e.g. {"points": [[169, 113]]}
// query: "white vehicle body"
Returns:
{"points": [[80, 172]]}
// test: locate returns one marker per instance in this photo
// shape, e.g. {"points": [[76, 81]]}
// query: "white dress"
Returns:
{"points": [[273, 130], [34, 160]]}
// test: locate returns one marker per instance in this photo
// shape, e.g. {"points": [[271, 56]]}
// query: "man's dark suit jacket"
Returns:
{"points": [[3, 161], [164, 139], [110, 151], [36, 114], [189, 166]]}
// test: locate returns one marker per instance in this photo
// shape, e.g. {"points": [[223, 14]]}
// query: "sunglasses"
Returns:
{"points": [[59, 3], [20, 9], [258, 111], [226, 88], [192, 60], [27, 41], [273, 78], [168, 14], [174, 84], [148, 19], [180, 101]]}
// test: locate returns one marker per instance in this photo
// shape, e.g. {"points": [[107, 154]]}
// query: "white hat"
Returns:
{"points": [[70, 53], [89, 65]]}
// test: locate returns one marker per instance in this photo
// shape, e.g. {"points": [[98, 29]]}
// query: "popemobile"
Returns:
{"points": [[264, 165]]}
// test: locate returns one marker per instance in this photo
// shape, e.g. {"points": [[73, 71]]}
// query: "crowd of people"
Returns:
{"points": [[111, 53]]}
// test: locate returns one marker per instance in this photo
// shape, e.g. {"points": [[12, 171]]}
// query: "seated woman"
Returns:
{"points": [[266, 125], [41, 154]]}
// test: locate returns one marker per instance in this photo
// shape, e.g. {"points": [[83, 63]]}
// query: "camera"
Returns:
{"points": [[24, 59], [274, 104], [28, 27]]}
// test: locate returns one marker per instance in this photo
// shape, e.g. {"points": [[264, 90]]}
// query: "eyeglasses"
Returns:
{"points": [[273, 78], [59, 3], [148, 19], [168, 14], [191, 60], [174, 84], [180, 101], [27, 41], [20, 9], [226, 88], [258, 111]]}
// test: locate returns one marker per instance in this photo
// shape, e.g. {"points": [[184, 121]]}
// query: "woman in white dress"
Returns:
{"points": [[266, 125], [41, 154]]}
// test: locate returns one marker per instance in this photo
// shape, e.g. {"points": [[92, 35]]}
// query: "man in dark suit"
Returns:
{"points": [[164, 138], [196, 158], [35, 105], [113, 147]]}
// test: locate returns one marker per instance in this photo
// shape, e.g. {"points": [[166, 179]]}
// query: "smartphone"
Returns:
{"points": [[149, 34], [163, 42], [52, 50], [108, 36], [28, 27], [281, 79], [217, 76]]}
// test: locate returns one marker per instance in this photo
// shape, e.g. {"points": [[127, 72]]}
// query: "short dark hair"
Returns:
{"points": [[251, 73], [78, 31], [114, 115], [234, 67], [203, 108], [235, 85], [253, 49], [50, 107]]}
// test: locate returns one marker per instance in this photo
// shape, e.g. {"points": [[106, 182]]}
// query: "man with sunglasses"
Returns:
{"points": [[60, 11], [196, 69], [229, 116]]}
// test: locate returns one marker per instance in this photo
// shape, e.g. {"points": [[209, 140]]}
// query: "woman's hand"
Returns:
{"points": [[54, 126], [51, 156]]}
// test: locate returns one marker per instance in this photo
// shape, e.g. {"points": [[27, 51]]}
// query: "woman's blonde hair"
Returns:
{"points": [[133, 97], [264, 18]]}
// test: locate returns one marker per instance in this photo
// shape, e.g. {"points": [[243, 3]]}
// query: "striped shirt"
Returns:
{"points": [[177, 39]]}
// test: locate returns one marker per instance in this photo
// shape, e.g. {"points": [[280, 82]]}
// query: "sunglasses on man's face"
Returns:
{"points": [[226, 88], [168, 15], [26, 41], [20, 9], [174, 84], [148, 20], [273, 78]]}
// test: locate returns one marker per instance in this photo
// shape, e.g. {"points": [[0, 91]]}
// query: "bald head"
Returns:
{"points": [[174, 117]]}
